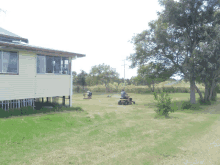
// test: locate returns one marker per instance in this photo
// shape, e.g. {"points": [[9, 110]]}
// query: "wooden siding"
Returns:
{"points": [[29, 84]]}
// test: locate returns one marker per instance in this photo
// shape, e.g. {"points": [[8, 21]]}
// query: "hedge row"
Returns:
{"points": [[134, 89]]}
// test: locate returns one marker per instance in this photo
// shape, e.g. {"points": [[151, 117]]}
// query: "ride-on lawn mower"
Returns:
{"points": [[89, 94], [127, 101]]}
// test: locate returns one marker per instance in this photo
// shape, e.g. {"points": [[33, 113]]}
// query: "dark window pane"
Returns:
{"points": [[57, 67], [49, 64], [10, 62], [41, 64], [65, 65]]}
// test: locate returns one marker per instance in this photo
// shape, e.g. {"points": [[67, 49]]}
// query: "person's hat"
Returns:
{"points": [[88, 91]]}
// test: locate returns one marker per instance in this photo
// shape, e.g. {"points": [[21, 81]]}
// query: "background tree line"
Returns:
{"points": [[104, 74], [184, 40]]}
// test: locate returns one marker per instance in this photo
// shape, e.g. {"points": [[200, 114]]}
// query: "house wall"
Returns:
{"points": [[29, 84]]}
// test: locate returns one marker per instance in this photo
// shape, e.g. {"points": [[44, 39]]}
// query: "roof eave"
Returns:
{"points": [[18, 38], [42, 51]]}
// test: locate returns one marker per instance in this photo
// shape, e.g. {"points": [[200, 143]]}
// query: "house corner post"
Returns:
{"points": [[71, 82]]}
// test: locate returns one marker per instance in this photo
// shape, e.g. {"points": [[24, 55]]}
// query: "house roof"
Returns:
{"points": [[11, 41], [5, 32], [7, 35], [38, 50]]}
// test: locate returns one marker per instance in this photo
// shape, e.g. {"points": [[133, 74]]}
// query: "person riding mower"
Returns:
{"points": [[89, 94], [125, 99]]}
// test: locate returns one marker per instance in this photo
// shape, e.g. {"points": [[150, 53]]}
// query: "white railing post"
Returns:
{"points": [[8, 104], [19, 105]]}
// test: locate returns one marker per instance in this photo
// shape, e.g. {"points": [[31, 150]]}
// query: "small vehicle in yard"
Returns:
{"points": [[89, 94], [127, 101]]}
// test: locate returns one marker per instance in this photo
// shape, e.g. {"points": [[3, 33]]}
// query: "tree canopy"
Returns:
{"points": [[174, 37], [103, 74]]}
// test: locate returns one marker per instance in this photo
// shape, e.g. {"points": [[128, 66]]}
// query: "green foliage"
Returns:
{"points": [[81, 78], [79, 89], [174, 106], [202, 102], [175, 36], [152, 74], [188, 105], [138, 89], [29, 110], [103, 74], [163, 104]]}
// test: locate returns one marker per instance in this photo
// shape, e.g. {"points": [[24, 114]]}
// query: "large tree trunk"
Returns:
{"points": [[192, 92], [211, 90], [199, 92], [214, 95], [206, 92], [153, 86]]}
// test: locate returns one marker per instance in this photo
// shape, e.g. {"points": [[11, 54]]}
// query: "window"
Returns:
{"points": [[65, 64], [52, 64], [41, 64], [57, 65], [8, 62], [49, 64]]}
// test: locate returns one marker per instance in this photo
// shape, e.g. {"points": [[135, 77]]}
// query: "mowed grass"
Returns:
{"points": [[104, 133]]}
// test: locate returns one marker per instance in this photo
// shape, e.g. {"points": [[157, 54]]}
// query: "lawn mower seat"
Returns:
{"points": [[123, 98]]}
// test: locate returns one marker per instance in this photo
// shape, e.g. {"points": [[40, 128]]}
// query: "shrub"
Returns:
{"points": [[174, 106], [202, 102], [3, 113], [16, 112], [186, 105], [163, 104]]}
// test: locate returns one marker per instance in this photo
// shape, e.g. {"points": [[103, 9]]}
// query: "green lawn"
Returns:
{"points": [[104, 133]]}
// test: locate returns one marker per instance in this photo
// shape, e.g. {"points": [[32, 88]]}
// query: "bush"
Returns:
{"points": [[163, 104], [188, 105], [174, 106], [3, 113]]}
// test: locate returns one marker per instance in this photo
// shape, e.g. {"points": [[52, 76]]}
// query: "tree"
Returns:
{"points": [[175, 36], [81, 78], [208, 70], [74, 74], [155, 73], [133, 82], [128, 81], [104, 74]]}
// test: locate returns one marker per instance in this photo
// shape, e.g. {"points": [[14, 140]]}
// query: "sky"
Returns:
{"points": [[100, 29]]}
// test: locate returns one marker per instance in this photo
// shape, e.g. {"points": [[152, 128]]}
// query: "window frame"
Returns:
{"points": [[9, 73], [45, 65]]}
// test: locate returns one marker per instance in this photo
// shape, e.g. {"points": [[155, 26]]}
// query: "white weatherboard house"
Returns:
{"points": [[29, 72]]}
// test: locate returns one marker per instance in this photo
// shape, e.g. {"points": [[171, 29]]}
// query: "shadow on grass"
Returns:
{"points": [[39, 108], [157, 116]]}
